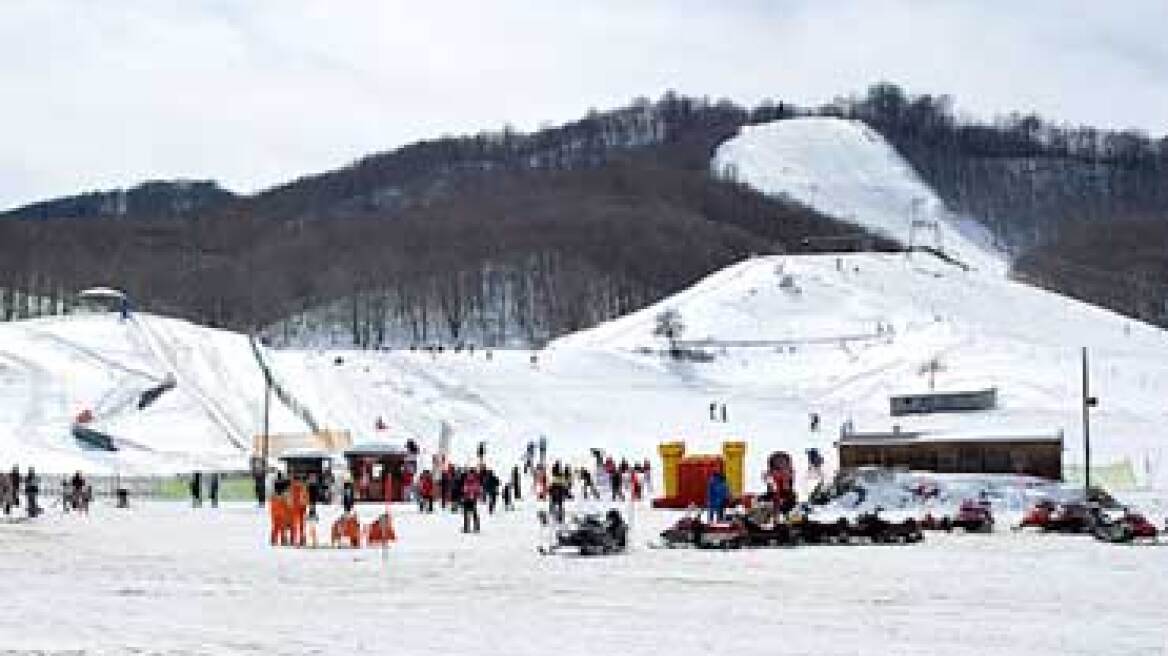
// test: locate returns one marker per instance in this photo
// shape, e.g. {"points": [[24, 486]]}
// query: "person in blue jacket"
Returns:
{"points": [[717, 496]]}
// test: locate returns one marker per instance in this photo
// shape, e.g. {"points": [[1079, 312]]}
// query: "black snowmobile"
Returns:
{"points": [[872, 527], [592, 534]]}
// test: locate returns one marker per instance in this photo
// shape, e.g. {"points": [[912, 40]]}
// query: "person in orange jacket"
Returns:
{"points": [[278, 511], [298, 507]]}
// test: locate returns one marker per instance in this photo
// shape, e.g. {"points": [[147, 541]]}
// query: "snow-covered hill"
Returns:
{"points": [[788, 336], [845, 169], [836, 336]]}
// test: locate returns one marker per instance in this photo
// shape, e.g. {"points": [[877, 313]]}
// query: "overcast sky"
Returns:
{"points": [[251, 93]]}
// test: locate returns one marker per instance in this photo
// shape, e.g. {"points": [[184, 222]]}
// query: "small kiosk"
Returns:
{"points": [[308, 463], [370, 464]]}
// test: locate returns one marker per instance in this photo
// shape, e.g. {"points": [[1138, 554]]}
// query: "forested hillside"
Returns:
{"points": [[495, 238], [1025, 178], [506, 237]]}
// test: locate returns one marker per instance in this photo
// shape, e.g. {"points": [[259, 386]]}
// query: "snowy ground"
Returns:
{"points": [[163, 578]]}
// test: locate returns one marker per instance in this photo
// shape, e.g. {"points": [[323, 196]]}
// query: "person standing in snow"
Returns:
{"points": [[542, 449], [196, 489], [507, 497], [515, 483], [587, 486], [426, 492], [717, 496], [14, 486], [347, 495], [529, 458], [214, 489], [32, 487], [471, 489], [444, 484], [261, 487], [5, 494], [556, 493], [614, 482], [490, 484]]}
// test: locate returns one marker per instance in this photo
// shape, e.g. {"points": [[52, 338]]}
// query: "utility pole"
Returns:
{"points": [[1088, 403]]}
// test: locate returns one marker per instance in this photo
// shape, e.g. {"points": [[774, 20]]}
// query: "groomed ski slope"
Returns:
{"points": [[838, 335], [846, 169]]}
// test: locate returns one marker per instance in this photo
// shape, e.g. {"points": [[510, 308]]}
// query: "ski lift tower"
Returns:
{"points": [[924, 233]]}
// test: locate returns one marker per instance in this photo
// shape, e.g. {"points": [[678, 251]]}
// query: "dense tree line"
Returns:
{"points": [[1023, 177], [522, 255], [1122, 265]]}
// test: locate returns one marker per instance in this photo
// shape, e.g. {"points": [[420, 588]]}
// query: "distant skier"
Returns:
{"points": [[713, 411], [542, 449], [529, 458], [724, 419], [814, 421]]}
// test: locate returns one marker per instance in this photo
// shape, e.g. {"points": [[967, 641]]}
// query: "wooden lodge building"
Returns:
{"points": [[1033, 454]]}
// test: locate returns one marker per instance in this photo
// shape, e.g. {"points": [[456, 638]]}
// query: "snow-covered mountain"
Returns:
{"points": [[845, 169], [787, 336]]}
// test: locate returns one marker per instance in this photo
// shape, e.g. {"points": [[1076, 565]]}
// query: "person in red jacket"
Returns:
{"points": [[471, 489], [426, 492]]}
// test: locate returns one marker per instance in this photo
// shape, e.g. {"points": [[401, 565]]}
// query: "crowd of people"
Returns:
{"points": [[13, 484], [463, 489]]}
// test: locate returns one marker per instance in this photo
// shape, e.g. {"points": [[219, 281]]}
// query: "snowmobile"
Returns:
{"points": [[765, 529], [592, 534], [1071, 517], [974, 517], [1123, 526], [878, 530], [810, 530], [691, 531]]}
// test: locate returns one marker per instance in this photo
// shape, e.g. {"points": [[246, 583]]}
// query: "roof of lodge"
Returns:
{"points": [[902, 438]]}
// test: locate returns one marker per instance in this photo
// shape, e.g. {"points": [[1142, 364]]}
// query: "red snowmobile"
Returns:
{"points": [[691, 531], [974, 516], [1073, 517]]}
